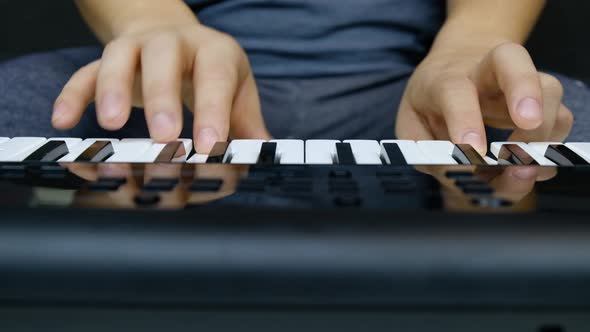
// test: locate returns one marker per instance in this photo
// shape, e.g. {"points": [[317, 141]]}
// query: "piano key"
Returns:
{"points": [[18, 148], [410, 150], [512, 154], [3, 139], [465, 154], [83, 147], [559, 154], [51, 151], [582, 149], [320, 152], [131, 150], [97, 151], [393, 155], [366, 152], [217, 153], [244, 151], [161, 151], [344, 154], [290, 151], [268, 154], [438, 152], [520, 153]]}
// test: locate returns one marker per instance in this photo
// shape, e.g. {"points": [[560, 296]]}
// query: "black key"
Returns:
{"points": [[394, 154], [344, 153], [160, 184], [171, 151], [515, 155], [98, 152], [217, 153], [465, 154], [563, 156], [206, 185], [49, 152], [268, 153]]}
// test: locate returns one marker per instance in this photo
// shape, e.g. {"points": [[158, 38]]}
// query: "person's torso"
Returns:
{"points": [[307, 38]]}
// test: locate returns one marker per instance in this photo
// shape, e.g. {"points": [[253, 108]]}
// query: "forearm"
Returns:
{"points": [[479, 24], [111, 18]]}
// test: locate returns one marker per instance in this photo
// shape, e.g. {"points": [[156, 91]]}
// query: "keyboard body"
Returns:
{"points": [[337, 235]]}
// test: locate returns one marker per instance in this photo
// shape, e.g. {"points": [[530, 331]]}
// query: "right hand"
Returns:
{"points": [[160, 70]]}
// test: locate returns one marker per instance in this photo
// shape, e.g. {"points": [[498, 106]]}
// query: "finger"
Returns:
{"points": [[162, 65], [515, 182], [75, 97], [115, 83], [217, 75], [552, 96], [459, 104], [509, 70], [246, 118], [410, 125], [563, 125]]}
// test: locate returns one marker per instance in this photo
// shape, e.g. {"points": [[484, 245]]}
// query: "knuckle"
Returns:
{"points": [[449, 87], [565, 118], [501, 51], [552, 85], [211, 104], [118, 45], [162, 41]]}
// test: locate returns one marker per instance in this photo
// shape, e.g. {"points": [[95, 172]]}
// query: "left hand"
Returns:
{"points": [[453, 94]]}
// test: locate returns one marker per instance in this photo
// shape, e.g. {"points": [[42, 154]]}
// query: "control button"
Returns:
{"points": [[206, 185]]}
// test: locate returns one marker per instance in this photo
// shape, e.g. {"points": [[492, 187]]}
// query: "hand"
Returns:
{"points": [[453, 94], [160, 69]]}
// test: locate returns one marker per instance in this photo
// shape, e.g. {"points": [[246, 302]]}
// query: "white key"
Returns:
{"points": [[582, 149], [150, 155], [410, 150], [539, 157], [17, 149], [3, 139], [290, 151], [366, 152], [197, 159], [244, 151], [320, 151], [78, 149], [129, 150], [438, 152]]}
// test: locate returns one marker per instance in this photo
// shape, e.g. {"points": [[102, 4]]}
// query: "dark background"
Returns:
{"points": [[558, 44]]}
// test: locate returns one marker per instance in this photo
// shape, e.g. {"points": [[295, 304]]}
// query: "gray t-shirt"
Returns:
{"points": [[307, 38]]}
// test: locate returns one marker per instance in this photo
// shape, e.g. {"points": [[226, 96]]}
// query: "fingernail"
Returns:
{"points": [[110, 106], [59, 111], [206, 138], [162, 124], [529, 109], [474, 139], [525, 173]]}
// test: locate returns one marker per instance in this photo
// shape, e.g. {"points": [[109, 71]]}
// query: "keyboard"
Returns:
{"points": [[293, 222]]}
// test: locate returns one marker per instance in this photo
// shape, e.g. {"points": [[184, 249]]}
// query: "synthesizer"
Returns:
{"points": [[294, 222]]}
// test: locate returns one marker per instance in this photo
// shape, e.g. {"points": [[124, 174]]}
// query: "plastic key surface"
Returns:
{"points": [[51, 151], [518, 153], [559, 154], [582, 149], [344, 154], [89, 150], [17, 149], [366, 152], [320, 152], [130, 150], [465, 154], [244, 151], [412, 155], [268, 154], [438, 152], [290, 151]]}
